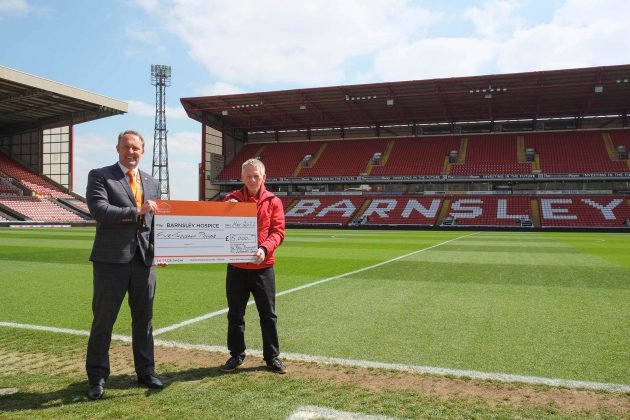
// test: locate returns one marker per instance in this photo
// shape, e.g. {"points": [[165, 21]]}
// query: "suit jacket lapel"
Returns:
{"points": [[122, 178], [145, 178]]}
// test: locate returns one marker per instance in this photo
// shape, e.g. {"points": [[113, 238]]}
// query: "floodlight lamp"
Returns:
{"points": [[390, 102], [224, 112], [302, 106], [599, 89]]}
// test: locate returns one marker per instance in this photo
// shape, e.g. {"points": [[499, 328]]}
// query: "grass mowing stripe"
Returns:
{"points": [[315, 283], [500, 377]]}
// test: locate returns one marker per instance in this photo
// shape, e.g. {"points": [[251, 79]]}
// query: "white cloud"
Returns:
{"points": [[144, 109], [185, 143], [581, 34], [218, 88], [495, 18], [93, 143], [21, 8], [183, 180], [14, 7], [145, 36], [309, 42], [91, 151], [433, 58]]}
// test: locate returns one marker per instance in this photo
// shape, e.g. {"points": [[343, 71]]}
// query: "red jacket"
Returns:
{"points": [[270, 217]]}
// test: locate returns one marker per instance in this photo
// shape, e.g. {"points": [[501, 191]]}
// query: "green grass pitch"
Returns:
{"points": [[544, 304]]}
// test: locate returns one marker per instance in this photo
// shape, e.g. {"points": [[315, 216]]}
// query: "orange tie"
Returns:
{"points": [[135, 188]]}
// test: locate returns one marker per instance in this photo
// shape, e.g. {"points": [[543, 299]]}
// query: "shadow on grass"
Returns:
{"points": [[76, 392]]}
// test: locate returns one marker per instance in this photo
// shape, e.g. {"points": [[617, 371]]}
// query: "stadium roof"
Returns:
{"points": [[574, 93], [28, 102]]}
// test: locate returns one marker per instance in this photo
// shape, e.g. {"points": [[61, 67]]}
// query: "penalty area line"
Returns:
{"points": [[305, 286], [298, 357]]}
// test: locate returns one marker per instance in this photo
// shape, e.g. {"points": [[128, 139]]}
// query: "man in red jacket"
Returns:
{"points": [[257, 278]]}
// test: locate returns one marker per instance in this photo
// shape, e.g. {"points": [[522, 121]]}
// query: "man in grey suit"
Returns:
{"points": [[121, 200]]}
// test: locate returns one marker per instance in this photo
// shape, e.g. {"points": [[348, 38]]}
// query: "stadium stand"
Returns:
{"points": [[606, 211], [39, 209], [7, 187], [400, 210], [449, 152], [281, 159], [417, 156], [497, 211], [328, 210], [76, 204], [37, 120], [345, 158], [491, 154], [233, 169], [481, 155], [286, 202], [573, 152], [507, 211], [29, 179]]}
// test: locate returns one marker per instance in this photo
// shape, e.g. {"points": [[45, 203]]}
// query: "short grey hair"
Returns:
{"points": [[256, 163], [131, 133]]}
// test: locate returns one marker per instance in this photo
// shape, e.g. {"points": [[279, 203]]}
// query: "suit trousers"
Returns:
{"points": [[111, 283], [262, 285]]}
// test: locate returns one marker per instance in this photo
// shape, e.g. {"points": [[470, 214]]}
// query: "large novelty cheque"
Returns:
{"points": [[199, 232]]}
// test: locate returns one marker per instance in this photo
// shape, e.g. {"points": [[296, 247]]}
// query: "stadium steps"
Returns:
{"points": [[535, 213], [14, 214], [536, 163], [384, 158], [520, 149], [319, 153], [359, 213], [259, 151], [612, 151], [610, 147], [446, 204], [290, 206], [447, 166], [461, 157], [72, 207], [7, 214], [463, 147]]}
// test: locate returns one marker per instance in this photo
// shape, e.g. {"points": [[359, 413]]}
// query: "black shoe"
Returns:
{"points": [[231, 364], [276, 366], [150, 381], [96, 391]]}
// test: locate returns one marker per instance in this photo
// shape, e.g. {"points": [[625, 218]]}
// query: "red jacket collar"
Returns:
{"points": [[243, 194]]}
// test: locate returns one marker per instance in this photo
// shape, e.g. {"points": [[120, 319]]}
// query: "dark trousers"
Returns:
{"points": [[111, 283], [262, 285]]}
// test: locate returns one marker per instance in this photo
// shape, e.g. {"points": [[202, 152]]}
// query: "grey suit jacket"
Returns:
{"points": [[111, 203]]}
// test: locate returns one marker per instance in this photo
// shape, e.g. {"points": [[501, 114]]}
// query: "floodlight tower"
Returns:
{"points": [[160, 78]]}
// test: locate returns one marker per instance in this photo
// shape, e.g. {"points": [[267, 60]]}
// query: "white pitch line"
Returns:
{"points": [[473, 374], [298, 357], [304, 286], [69, 331], [307, 412]]}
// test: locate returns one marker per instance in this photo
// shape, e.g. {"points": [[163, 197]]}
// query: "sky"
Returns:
{"points": [[242, 46]]}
